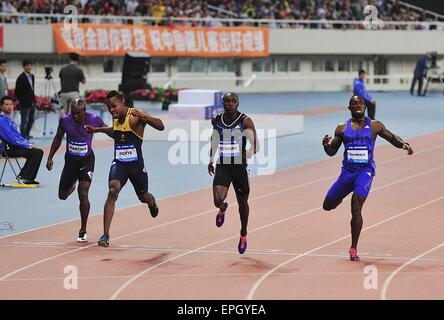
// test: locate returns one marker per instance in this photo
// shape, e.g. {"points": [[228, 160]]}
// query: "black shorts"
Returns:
{"points": [[135, 172], [76, 168], [236, 173]]}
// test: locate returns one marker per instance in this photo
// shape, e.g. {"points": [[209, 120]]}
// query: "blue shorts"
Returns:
{"points": [[358, 182]]}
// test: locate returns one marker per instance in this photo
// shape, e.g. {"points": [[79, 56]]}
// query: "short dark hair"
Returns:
{"points": [[361, 71], [77, 102], [3, 61], [114, 93], [354, 96], [4, 98], [74, 57], [228, 94], [27, 62]]}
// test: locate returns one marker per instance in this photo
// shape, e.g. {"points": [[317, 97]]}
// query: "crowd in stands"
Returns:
{"points": [[211, 10]]}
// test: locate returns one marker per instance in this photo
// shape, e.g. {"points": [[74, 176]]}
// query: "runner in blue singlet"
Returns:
{"points": [[358, 135]]}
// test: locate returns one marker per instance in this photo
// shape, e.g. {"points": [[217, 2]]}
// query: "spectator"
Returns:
{"points": [[70, 77], [419, 73], [359, 90], [16, 146], [24, 92], [158, 12], [3, 81]]}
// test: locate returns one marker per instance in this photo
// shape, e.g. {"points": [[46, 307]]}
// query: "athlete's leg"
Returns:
{"points": [[63, 195], [110, 203], [139, 179], [221, 183], [338, 191], [244, 211], [118, 176], [84, 206], [356, 222], [241, 186], [219, 195], [361, 190], [68, 178]]}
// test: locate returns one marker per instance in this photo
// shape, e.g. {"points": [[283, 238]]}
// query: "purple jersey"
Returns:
{"points": [[78, 141], [358, 147]]}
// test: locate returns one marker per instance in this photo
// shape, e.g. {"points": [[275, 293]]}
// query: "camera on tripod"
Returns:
{"points": [[433, 58], [48, 71]]}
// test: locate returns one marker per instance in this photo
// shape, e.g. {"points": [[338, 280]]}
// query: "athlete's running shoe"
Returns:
{"points": [[353, 254], [242, 246], [83, 237], [220, 217], [103, 241], [154, 210]]}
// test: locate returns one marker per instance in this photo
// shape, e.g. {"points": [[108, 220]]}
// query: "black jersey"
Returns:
{"points": [[232, 140]]}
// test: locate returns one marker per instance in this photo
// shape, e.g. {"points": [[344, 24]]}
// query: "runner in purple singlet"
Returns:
{"points": [[79, 157]]}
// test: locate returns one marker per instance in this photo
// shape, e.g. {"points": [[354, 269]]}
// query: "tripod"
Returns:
{"points": [[431, 75], [49, 90]]}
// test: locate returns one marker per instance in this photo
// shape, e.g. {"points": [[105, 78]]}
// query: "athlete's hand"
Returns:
{"points": [[210, 168], [326, 140], [407, 147], [137, 113], [49, 165], [249, 154], [90, 129]]}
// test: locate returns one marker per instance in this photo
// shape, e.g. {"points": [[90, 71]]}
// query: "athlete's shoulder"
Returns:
{"points": [[215, 119], [67, 117], [376, 123], [340, 128], [342, 124]]}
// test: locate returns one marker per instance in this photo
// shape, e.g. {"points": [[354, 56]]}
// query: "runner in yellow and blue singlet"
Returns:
{"points": [[127, 130]]}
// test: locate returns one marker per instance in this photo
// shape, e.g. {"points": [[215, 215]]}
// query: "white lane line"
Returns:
{"points": [[126, 284], [399, 269], [266, 275]]}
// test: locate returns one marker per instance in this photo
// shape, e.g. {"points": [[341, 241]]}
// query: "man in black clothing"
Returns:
{"points": [[24, 92], [70, 77]]}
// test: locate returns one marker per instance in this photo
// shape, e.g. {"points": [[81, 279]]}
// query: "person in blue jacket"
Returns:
{"points": [[419, 73], [359, 90], [14, 145]]}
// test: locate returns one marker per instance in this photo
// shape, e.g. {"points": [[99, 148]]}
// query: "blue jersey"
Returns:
{"points": [[358, 147]]}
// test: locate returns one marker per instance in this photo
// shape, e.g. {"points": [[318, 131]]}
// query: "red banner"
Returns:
{"points": [[116, 40]]}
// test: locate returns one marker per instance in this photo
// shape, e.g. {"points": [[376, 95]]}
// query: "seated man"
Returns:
{"points": [[17, 146]]}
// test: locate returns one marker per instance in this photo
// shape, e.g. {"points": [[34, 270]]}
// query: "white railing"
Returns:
{"points": [[36, 18], [419, 10]]}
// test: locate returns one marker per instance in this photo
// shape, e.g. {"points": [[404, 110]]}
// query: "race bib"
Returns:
{"points": [[229, 149], [126, 153], [79, 149], [357, 156]]}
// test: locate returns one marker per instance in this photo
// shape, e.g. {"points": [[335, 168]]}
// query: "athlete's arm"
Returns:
{"points": [[250, 133], [390, 137], [332, 147], [214, 144], [156, 123], [55, 146], [107, 130]]}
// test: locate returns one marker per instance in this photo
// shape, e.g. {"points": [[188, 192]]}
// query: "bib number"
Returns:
{"points": [[357, 156], [229, 149], [79, 149], [126, 153]]}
